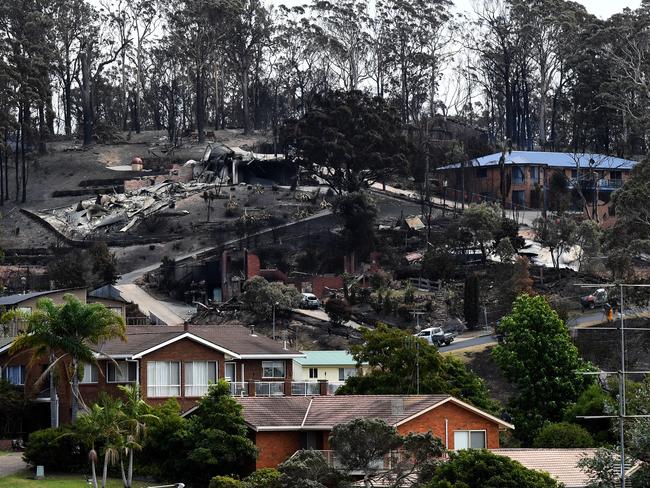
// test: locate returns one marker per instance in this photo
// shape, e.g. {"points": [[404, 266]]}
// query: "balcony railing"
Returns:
{"points": [[305, 388], [386, 463], [333, 386], [269, 388], [239, 388]]}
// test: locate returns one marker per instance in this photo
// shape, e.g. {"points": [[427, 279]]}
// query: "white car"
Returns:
{"points": [[436, 336], [309, 300]]}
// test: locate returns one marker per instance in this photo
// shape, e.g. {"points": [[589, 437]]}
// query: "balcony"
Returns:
{"points": [[305, 388], [238, 388], [390, 461], [269, 388]]}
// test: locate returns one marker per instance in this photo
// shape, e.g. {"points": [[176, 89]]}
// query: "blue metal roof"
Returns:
{"points": [[551, 159]]}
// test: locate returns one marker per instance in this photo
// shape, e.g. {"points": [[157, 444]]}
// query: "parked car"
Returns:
{"points": [[597, 299], [436, 336], [309, 300]]}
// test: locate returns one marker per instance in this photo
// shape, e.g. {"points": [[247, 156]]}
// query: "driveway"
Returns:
{"points": [[11, 463]]}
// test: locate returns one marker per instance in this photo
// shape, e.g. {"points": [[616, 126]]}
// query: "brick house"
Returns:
{"points": [[282, 426], [528, 173], [166, 362]]}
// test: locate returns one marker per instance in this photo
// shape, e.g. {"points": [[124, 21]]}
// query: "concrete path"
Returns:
{"points": [[149, 305], [11, 463]]}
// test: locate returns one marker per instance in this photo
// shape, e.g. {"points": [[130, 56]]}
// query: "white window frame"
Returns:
{"points": [[23, 373], [272, 366], [469, 438], [89, 368], [125, 362], [343, 376], [171, 385], [313, 373], [234, 367], [188, 385]]}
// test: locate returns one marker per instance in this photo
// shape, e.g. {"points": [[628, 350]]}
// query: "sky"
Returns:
{"points": [[600, 8]]}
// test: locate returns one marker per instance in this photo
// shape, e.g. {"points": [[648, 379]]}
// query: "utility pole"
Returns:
{"points": [[622, 403], [274, 306]]}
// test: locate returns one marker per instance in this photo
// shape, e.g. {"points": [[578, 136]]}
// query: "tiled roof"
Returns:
{"points": [[326, 358], [561, 464], [235, 338], [551, 159], [288, 411], [329, 410]]}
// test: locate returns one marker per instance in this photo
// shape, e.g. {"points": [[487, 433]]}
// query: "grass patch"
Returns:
{"points": [[21, 480]]}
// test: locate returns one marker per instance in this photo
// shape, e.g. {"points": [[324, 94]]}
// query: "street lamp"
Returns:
{"points": [[274, 305]]}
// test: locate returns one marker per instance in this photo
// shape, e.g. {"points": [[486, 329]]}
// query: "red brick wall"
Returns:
{"points": [[252, 265], [275, 447], [458, 418], [181, 351]]}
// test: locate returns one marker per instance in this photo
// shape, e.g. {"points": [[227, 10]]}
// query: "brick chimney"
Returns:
{"points": [[186, 326], [251, 388]]}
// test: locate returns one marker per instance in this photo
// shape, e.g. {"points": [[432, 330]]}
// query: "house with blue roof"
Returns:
{"points": [[528, 174]]}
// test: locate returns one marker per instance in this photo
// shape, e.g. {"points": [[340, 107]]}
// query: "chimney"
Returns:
{"points": [[186, 326], [253, 331], [251, 388]]}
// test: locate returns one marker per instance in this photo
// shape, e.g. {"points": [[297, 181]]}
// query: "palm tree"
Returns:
{"points": [[69, 330], [101, 425], [42, 339], [135, 416]]}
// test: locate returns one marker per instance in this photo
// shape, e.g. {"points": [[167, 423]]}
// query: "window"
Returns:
{"points": [[163, 379], [481, 172], [517, 175], [91, 374], [519, 197], [534, 173], [122, 372], [272, 369], [14, 374], [231, 372], [469, 439], [116, 310], [198, 375], [313, 373], [345, 373]]}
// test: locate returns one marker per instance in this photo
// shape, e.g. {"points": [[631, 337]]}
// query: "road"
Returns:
{"points": [[322, 316], [11, 463], [464, 344]]}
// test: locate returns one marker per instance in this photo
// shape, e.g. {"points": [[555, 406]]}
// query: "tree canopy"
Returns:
{"points": [[540, 359], [349, 139], [393, 355], [479, 468]]}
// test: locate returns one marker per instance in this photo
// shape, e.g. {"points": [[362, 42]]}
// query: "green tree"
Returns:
{"points": [[471, 302], [483, 221], [558, 233], [540, 359], [358, 213], [391, 354], [337, 310], [12, 409], [217, 441], [479, 468], [260, 297], [348, 139], [563, 435], [358, 445], [66, 332], [135, 415], [264, 478], [308, 469], [101, 426]]}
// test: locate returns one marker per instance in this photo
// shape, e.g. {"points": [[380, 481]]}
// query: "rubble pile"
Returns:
{"points": [[121, 212]]}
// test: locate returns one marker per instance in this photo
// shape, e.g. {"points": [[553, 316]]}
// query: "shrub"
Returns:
{"points": [[264, 478], [56, 449], [563, 435], [225, 482]]}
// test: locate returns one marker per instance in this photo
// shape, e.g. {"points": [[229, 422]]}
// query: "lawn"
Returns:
{"points": [[58, 481]]}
